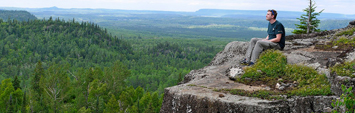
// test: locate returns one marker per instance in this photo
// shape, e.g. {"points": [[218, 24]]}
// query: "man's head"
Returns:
{"points": [[271, 14]]}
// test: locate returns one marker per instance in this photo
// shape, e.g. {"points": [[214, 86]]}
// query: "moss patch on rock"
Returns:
{"points": [[346, 69], [343, 40], [272, 68], [346, 32]]}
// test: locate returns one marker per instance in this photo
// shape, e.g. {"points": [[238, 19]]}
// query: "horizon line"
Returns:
{"points": [[155, 10]]}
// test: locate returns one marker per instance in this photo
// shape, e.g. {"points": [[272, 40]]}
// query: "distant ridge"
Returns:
{"points": [[261, 13], [52, 8], [18, 15], [250, 14]]}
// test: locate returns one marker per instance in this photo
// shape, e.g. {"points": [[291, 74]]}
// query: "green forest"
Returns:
{"points": [[53, 65]]}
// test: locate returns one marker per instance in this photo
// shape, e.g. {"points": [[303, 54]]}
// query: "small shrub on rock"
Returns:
{"points": [[347, 99]]}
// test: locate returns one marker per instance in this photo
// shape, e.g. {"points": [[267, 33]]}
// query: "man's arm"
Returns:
{"points": [[277, 39], [267, 38]]}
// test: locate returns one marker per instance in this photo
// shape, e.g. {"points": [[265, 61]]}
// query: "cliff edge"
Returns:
{"points": [[198, 92]]}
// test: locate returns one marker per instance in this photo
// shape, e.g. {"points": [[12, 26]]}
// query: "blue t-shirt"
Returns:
{"points": [[277, 28]]}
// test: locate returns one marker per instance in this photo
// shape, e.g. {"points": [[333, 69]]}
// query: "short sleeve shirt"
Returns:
{"points": [[274, 29]]}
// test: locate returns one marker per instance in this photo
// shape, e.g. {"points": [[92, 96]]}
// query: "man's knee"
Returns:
{"points": [[259, 43], [264, 43], [254, 40]]}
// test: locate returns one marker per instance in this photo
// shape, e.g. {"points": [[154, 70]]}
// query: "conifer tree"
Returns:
{"points": [[115, 77], [155, 102], [56, 86], [97, 88], [308, 22], [84, 110], [23, 107], [36, 97], [9, 97], [16, 83], [112, 105], [10, 106], [39, 72]]}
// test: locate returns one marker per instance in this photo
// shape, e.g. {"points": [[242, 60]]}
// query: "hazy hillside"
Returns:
{"points": [[55, 41], [204, 23], [18, 15]]}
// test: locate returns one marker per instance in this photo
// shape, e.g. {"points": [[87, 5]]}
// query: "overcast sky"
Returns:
{"points": [[330, 6]]}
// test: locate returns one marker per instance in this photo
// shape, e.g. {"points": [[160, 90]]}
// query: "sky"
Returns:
{"points": [[330, 6]]}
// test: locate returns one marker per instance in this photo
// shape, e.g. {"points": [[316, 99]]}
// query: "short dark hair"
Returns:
{"points": [[273, 12]]}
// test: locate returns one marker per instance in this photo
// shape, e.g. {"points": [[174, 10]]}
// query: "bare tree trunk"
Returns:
{"points": [[86, 97], [97, 104], [309, 16], [31, 105], [54, 92], [55, 99]]}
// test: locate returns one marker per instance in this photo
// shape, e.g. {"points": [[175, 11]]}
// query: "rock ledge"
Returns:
{"points": [[197, 93]]}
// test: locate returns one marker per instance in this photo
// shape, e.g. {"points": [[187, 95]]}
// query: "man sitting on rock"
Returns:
{"points": [[274, 40]]}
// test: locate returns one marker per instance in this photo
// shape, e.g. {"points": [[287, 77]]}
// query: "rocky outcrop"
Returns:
{"points": [[197, 93], [199, 100], [352, 22]]}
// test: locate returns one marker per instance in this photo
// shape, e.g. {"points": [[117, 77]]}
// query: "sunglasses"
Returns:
{"points": [[272, 12]]}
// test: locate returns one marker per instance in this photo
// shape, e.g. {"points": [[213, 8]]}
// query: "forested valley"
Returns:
{"points": [[53, 65]]}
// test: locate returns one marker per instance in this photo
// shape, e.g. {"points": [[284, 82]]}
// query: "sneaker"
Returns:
{"points": [[251, 64], [244, 62]]}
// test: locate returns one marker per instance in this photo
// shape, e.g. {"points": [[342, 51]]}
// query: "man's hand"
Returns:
{"points": [[277, 39]]}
